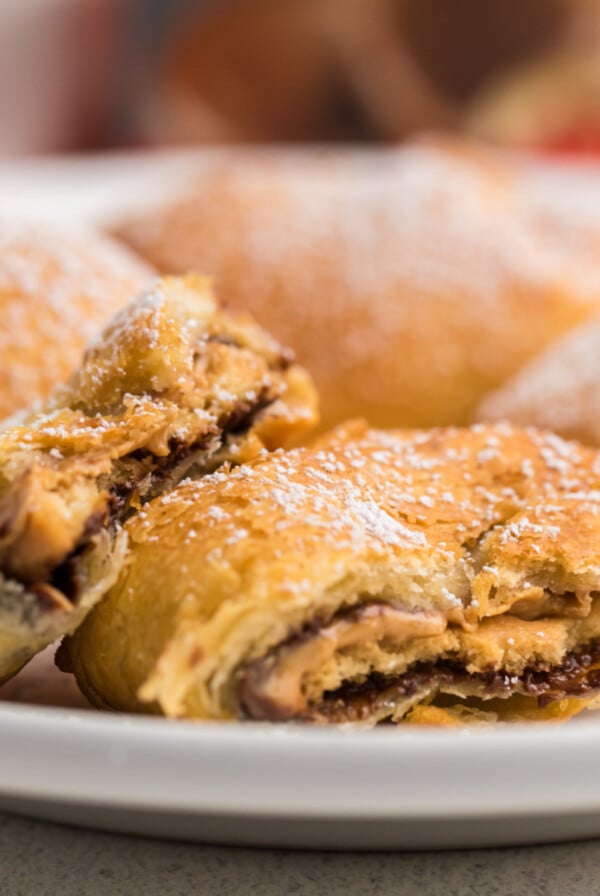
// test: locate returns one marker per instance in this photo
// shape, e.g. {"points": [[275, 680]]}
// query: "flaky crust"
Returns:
{"points": [[410, 282], [477, 546], [57, 288], [172, 388]]}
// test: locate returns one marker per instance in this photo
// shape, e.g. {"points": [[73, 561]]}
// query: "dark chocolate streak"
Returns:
{"points": [[221, 339], [145, 472], [357, 702], [66, 577], [240, 419], [252, 676]]}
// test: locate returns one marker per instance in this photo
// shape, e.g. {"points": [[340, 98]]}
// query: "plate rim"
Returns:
{"points": [[261, 770]]}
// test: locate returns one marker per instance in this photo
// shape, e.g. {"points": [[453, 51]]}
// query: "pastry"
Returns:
{"points": [[410, 282], [57, 288], [172, 388], [427, 576], [558, 390]]}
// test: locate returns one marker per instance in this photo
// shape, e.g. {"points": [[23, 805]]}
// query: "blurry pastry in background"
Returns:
{"points": [[441, 577], [56, 289], [558, 390], [366, 70], [410, 282], [171, 389]]}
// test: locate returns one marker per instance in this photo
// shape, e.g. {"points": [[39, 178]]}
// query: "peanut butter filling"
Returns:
{"points": [[271, 688]]}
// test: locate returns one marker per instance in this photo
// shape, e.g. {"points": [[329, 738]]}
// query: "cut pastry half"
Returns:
{"points": [[172, 388], [374, 577]]}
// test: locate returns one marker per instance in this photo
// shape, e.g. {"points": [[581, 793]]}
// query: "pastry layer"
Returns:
{"points": [[173, 388], [286, 683], [312, 583]]}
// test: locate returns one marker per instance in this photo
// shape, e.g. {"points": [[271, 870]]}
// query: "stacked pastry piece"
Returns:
{"points": [[172, 388]]}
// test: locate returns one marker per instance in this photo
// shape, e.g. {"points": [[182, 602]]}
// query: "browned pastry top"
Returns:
{"points": [[480, 501]]}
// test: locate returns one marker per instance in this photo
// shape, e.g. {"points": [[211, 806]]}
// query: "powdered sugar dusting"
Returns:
{"points": [[512, 514], [383, 526], [385, 250]]}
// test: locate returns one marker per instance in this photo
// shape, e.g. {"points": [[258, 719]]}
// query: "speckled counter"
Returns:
{"points": [[40, 859]]}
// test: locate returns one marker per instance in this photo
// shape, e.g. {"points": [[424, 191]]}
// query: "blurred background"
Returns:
{"points": [[92, 74]]}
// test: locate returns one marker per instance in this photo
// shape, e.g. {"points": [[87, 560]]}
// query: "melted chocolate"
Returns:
{"points": [[576, 676]]}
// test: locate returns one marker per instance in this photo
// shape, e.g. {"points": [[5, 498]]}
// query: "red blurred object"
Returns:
{"points": [[575, 143]]}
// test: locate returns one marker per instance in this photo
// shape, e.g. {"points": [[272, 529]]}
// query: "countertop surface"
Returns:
{"points": [[40, 858]]}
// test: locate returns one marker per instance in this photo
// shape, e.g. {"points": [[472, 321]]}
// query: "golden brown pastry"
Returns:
{"points": [[172, 388], [56, 289], [410, 282], [426, 576], [558, 390]]}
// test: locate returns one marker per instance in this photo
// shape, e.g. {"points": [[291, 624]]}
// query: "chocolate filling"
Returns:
{"points": [[271, 687], [66, 578], [141, 476], [576, 676]]}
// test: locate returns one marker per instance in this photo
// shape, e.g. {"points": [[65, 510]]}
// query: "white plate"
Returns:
{"points": [[265, 785], [100, 188], [302, 787]]}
